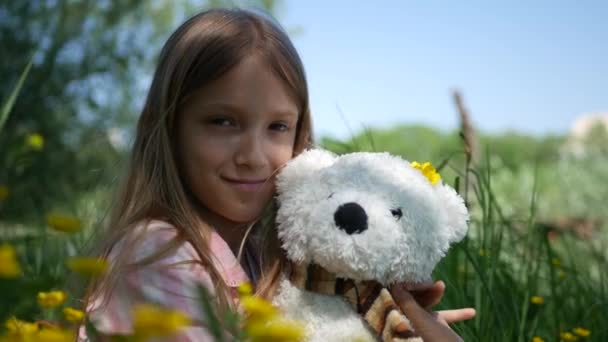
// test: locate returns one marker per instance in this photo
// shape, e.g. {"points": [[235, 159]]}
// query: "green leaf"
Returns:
{"points": [[10, 101]]}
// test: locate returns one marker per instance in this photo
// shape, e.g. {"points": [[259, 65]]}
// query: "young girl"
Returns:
{"points": [[228, 106]]}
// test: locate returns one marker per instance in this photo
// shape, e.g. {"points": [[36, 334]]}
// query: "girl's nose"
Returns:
{"points": [[250, 151]]}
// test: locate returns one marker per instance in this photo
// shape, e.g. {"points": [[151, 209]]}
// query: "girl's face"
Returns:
{"points": [[232, 135]]}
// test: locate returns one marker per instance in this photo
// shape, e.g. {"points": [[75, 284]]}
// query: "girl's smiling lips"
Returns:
{"points": [[246, 184]]}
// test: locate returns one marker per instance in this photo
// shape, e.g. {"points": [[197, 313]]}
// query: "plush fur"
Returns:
{"points": [[359, 219]]}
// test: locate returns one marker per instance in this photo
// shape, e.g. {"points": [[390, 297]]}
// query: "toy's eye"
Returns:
{"points": [[330, 195], [397, 213]]}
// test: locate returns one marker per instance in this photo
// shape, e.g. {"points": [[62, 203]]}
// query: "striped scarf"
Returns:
{"points": [[368, 298]]}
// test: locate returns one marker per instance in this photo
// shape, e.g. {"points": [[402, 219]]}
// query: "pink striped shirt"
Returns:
{"points": [[171, 281]]}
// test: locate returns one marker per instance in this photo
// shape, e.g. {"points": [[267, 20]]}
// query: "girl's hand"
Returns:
{"points": [[431, 326]]}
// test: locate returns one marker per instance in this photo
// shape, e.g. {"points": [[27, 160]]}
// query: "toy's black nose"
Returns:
{"points": [[351, 218]]}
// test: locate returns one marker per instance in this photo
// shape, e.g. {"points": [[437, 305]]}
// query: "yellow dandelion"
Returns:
{"points": [[63, 223], [582, 332], [9, 266], [55, 335], [568, 336], [245, 289], [537, 339], [258, 309], [4, 192], [35, 141], [51, 299], [87, 266], [73, 315], [538, 300], [154, 321], [428, 171], [275, 330], [19, 328]]}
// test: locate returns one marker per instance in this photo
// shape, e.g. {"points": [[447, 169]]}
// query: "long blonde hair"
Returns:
{"points": [[201, 50]]}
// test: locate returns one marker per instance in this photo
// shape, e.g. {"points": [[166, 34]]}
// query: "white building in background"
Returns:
{"points": [[580, 130]]}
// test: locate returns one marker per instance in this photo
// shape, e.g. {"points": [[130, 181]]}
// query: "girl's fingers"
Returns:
{"points": [[457, 315], [427, 326], [430, 296]]}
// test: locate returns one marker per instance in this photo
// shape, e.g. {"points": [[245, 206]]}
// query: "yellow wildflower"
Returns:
{"points": [[484, 252], [87, 266], [73, 315], [245, 289], [568, 336], [275, 330], [538, 300], [55, 335], [35, 141], [556, 262], [428, 171], [51, 299], [4, 192], [582, 332], [62, 223], [537, 339], [154, 321], [258, 309], [9, 266], [19, 328]]}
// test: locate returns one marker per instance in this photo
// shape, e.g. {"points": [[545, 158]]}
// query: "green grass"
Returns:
{"points": [[505, 261]]}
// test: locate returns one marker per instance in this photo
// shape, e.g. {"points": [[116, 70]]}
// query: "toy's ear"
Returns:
{"points": [[305, 164], [457, 213]]}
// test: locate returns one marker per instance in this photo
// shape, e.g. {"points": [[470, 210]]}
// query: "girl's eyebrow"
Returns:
{"points": [[282, 113]]}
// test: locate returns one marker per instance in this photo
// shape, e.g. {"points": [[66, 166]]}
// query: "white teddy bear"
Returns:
{"points": [[352, 225]]}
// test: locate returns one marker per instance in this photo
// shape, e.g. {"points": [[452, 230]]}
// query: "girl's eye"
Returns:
{"points": [[222, 122], [279, 126]]}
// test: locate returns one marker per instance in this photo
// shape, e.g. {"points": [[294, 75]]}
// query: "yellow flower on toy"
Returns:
{"points": [[568, 336], [428, 171], [4, 192], [538, 300], [9, 266], [35, 141], [87, 266], [73, 315], [63, 223], [154, 321], [582, 332], [51, 299]]}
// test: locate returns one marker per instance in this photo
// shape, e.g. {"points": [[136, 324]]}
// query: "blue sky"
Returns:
{"points": [[530, 66]]}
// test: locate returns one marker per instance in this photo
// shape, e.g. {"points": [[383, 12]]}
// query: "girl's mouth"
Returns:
{"points": [[245, 184]]}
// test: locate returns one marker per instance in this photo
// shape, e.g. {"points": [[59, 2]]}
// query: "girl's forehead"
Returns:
{"points": [[250, 85]]}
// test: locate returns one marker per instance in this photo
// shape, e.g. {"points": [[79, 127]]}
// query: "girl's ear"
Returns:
{"points": [[305, 164]]}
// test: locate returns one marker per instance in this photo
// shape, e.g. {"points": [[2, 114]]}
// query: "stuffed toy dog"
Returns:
{"points": [[351, 226]]}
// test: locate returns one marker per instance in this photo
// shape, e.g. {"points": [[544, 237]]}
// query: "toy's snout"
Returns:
{"points": [[351, 218]]}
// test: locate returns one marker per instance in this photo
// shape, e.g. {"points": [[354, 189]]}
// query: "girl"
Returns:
{"points": [[228, 106]]}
